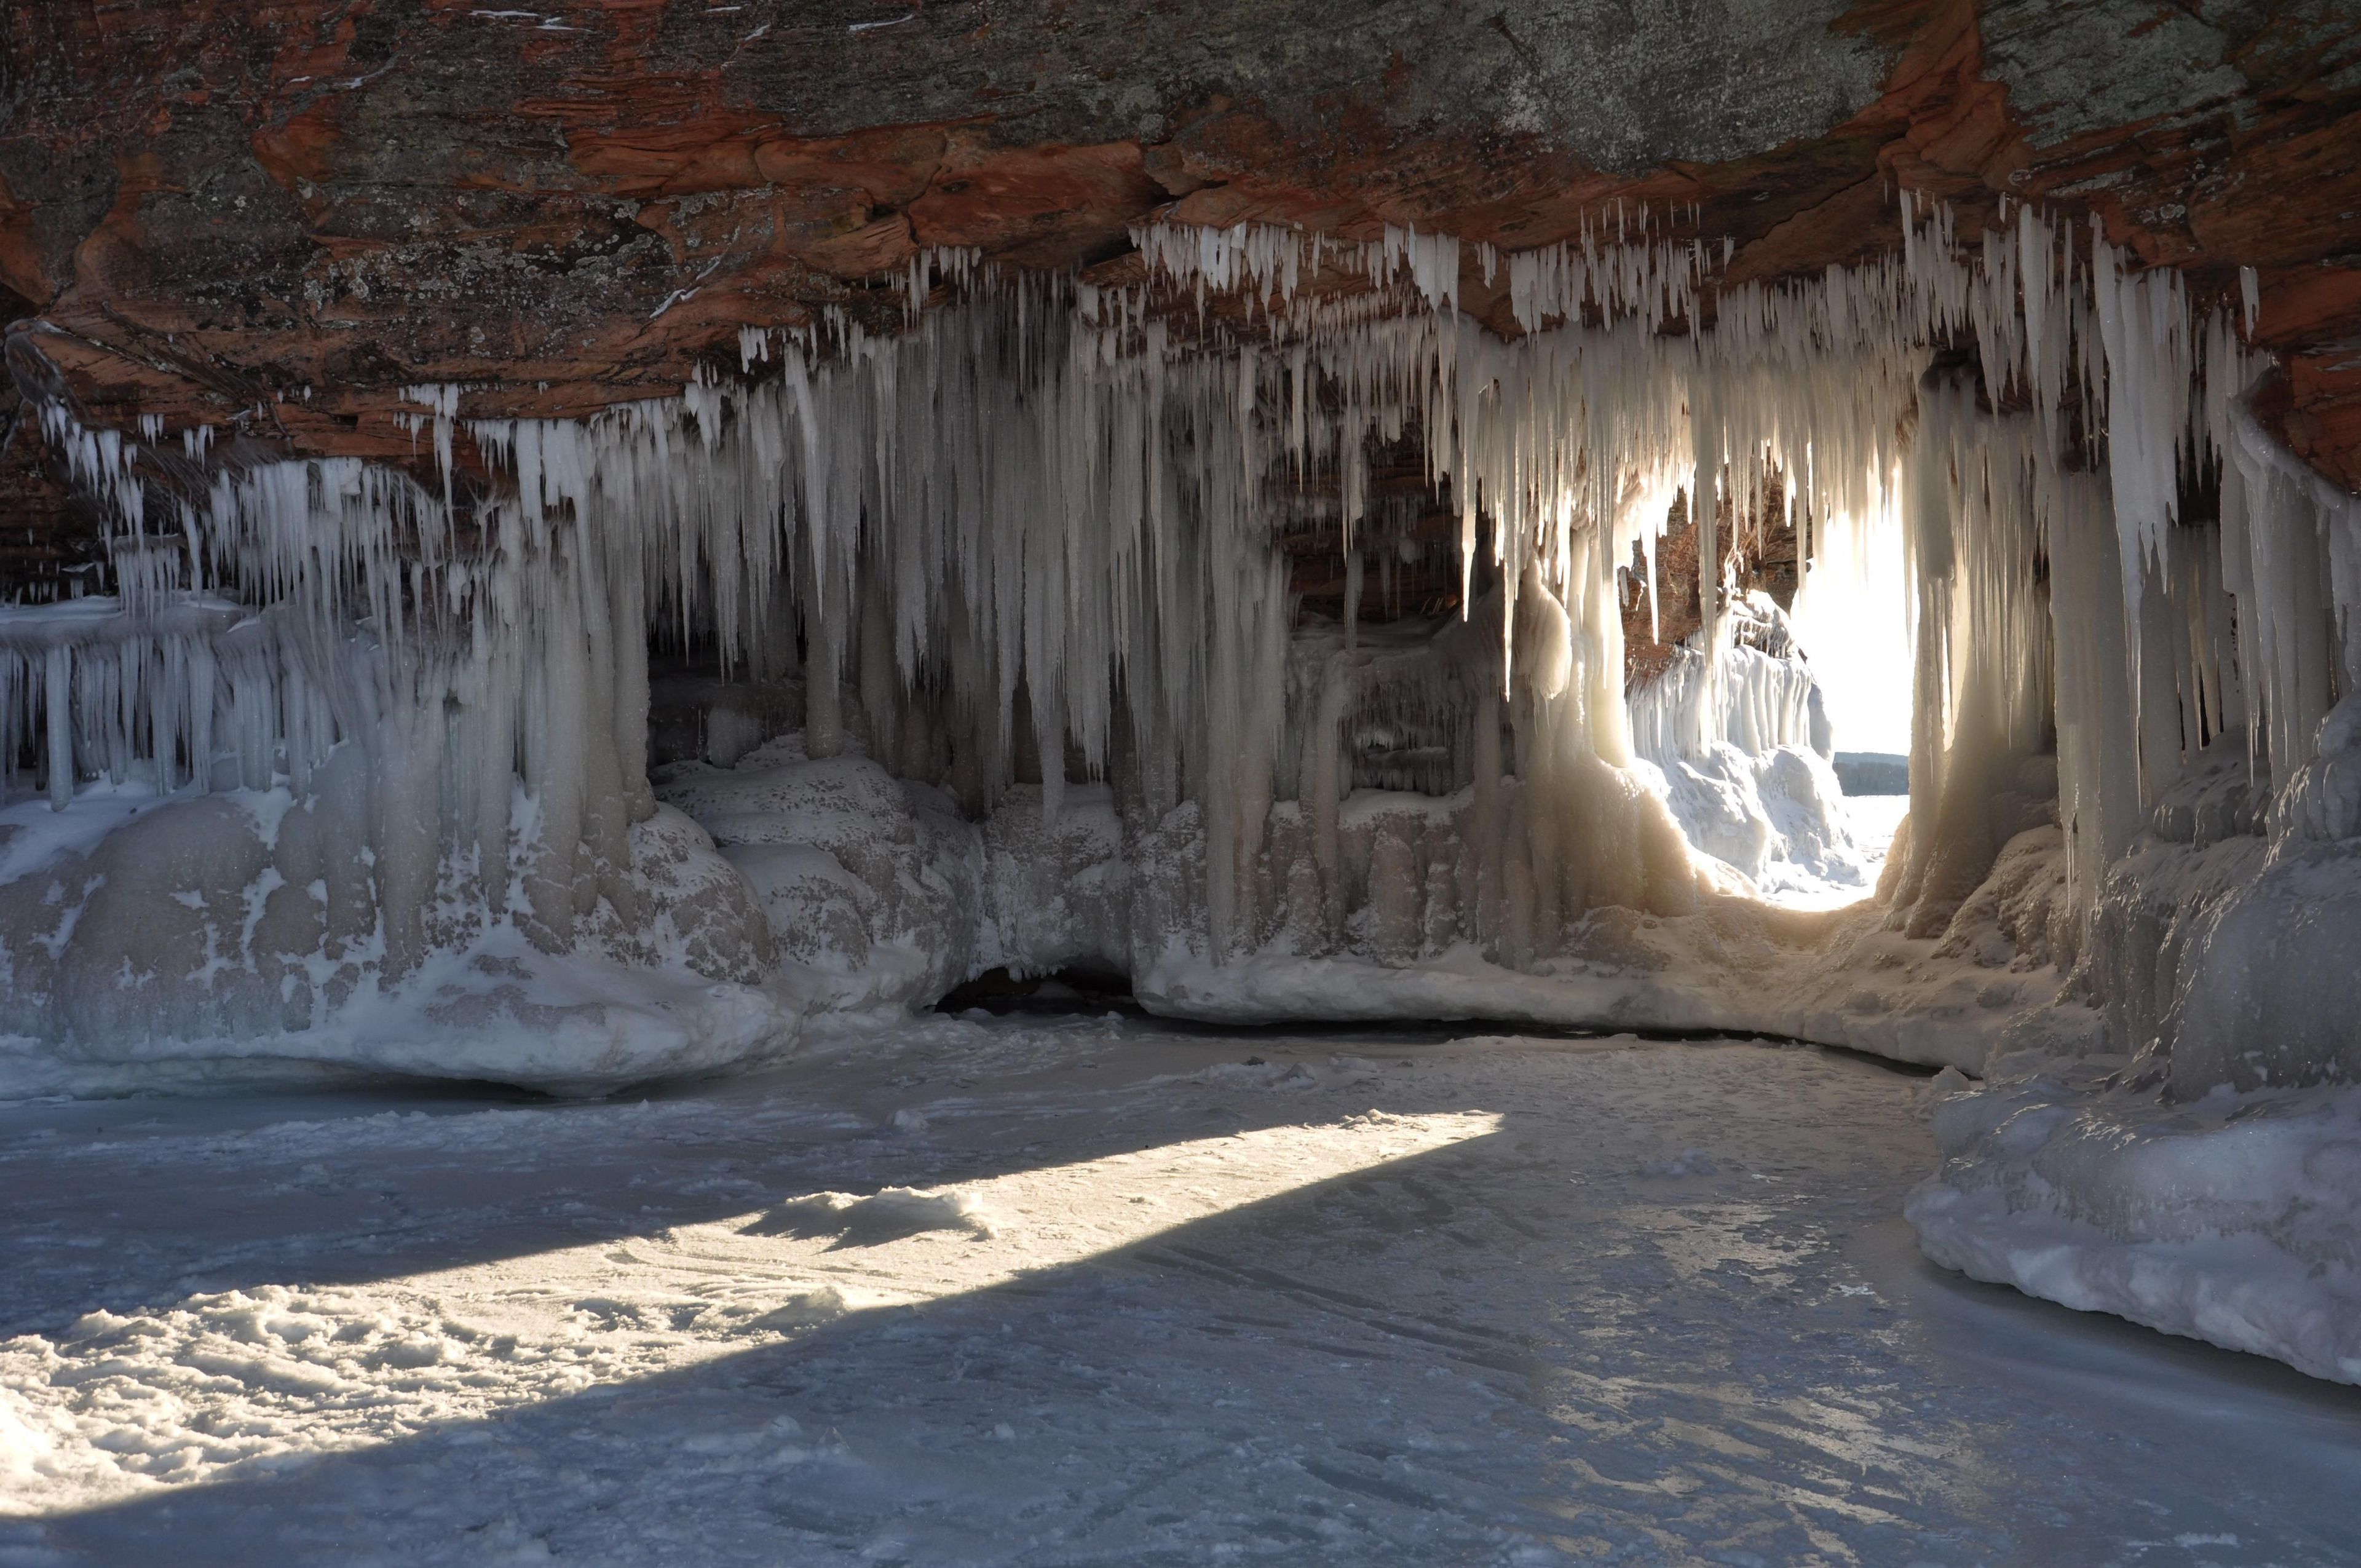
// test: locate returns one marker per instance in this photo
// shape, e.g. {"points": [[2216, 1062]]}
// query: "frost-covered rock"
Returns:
{"points": [[2323, 800], [1778, 820], [2223, 941], [880, 893], [2019, 917], [2269, 989], [1713, 795]]}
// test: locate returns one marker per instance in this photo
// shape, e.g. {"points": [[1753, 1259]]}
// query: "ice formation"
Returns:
{"points": [[2229, 1218], [1033, 538], [1738, 742], [1006, 667]]}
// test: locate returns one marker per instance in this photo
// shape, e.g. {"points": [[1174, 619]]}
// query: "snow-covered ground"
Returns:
{"points": [[1093, 1290]]}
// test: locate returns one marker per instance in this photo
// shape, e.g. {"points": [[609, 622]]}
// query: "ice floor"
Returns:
{"points": [[1368, 1298]]}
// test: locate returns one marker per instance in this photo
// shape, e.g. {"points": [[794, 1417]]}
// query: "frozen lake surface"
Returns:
{"points": [[1093, 1291]]}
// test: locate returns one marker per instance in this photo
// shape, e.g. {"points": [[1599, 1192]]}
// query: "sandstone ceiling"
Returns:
{"points": [[270, 216]]}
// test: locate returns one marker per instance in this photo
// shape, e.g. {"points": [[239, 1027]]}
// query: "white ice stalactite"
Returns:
{"points": [[2145, 327]]}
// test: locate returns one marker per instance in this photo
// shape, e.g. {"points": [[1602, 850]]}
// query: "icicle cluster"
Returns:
{"points": [[1035, 525], [1655, 279], [1267, 261]]}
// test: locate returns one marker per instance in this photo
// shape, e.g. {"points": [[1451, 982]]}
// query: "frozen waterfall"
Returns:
{"points": [[1032, 553]]}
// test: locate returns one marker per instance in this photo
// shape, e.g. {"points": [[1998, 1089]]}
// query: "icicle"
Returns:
{"points": [[59, 697]]}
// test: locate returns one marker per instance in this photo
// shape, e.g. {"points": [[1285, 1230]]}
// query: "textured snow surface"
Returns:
{"points": [[1092, 1291], [2236, 1219]]}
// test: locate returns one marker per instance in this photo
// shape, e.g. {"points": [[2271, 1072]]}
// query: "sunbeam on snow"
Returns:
{"points": [[249, 1382]]}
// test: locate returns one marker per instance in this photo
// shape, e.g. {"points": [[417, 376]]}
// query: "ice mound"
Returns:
{"points": [[244, 926], [1778, 820], [872, 886], [1056, 894], [880, 894], [2234, 1219], [890, 1215], [2199, 1169], [2269, 990]]}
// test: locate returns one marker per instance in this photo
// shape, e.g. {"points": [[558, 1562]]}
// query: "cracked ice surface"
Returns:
{"points": [[1086, 1291]]}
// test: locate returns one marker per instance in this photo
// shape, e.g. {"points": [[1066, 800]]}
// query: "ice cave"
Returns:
{"points": [[1013, 783]]}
